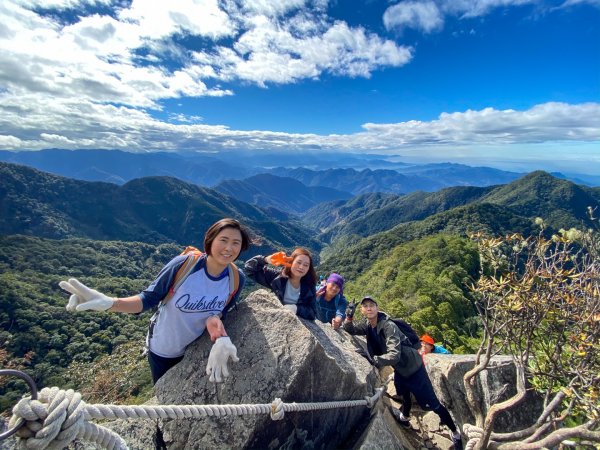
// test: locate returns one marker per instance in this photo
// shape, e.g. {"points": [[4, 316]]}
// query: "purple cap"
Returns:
{"points": [[337, 279]]}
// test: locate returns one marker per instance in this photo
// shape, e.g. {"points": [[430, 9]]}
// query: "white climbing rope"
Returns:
{"points": [[474, 435], [59, 417]]}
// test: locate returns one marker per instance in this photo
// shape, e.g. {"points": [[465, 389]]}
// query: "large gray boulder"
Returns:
{"points": [[281, 356], [494, 385]]}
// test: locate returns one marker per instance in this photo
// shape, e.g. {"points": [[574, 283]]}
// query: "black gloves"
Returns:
{"points": [[350, 310]]}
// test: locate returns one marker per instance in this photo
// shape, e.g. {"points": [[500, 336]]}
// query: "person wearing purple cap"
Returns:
{"points": [[331, 303]]}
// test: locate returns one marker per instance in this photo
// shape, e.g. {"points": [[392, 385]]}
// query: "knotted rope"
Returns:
{"points": [[59, 417], [474, 435]]}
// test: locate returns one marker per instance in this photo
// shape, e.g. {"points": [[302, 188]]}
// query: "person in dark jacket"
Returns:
{"points": [[384, 345], [293, 284]]}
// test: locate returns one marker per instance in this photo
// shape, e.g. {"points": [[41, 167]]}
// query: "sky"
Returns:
{"points": [[512, 84]]}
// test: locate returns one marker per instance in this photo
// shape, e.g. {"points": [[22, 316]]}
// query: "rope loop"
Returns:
{"points": [[56, 419], [474, 434], [277, 411]]}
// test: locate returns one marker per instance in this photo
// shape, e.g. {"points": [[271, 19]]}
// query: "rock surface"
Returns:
{"points": [[496, 384], [282, 356]]}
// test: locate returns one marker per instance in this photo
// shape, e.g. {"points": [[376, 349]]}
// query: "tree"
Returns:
{"points": [[539, 301]]}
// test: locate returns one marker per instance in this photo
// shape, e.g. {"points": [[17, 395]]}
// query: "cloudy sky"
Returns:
{"points": [[513, 84]]}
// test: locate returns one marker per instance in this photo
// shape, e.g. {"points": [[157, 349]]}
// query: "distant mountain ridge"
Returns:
{"points": [[283, 193], [494, 210], [402, 181], [538, 194], [152, 209], [356, 174], [116, 166]]}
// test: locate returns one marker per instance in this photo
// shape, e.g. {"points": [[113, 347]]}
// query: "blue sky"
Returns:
{"points": [[513, 84]]}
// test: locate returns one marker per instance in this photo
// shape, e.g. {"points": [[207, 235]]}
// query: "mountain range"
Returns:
{"points": [[561, 203], [352, 173], [282, 193], [151, 209], [166, 209]]}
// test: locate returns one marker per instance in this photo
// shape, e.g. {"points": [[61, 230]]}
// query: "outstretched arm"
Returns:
{"points": [[257, 269]]}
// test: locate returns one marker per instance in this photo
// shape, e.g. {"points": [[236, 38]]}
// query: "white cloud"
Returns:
{"points": [[429, 15], [152, 50], [31, 122], [424, 16]]}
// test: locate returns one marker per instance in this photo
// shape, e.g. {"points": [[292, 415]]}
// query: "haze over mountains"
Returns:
{"points": [[351, 173]]}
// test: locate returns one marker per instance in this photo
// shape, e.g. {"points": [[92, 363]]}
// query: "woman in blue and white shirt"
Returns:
{"points": [[199, 303]]}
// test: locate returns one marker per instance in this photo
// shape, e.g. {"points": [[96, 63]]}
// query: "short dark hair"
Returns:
{"points": [[217, 227], [311, 274]]}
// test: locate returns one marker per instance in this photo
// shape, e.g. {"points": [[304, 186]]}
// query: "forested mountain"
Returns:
{"points": [[425, 281], [538, 194], [560, 202], [329, 214], [115, 166], [36, 330], [283, 193], [375, 217], [401, 181], [353, 255], [153, 209]]}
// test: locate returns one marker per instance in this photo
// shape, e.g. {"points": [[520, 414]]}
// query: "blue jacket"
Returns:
{"points": [[257, 269], [327, 310], [440, 349]]}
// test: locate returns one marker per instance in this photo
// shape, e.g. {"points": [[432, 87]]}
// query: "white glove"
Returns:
{"points": [[221, 350], [83, 298], [292, 308]]}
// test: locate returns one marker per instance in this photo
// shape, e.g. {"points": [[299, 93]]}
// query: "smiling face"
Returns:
{"points": [[300, 266], [426, 348], [226, 246], [332, 290], [369, 309]]}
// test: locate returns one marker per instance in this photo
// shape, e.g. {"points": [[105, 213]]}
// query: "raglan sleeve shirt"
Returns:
{"points": [[159, 288]]}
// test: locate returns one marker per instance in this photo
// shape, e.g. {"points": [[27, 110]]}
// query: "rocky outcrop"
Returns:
{"points": [[494, 385], [282, 356]]}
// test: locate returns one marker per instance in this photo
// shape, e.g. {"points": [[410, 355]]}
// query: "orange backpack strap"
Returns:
{"points": [[193, 255], [234, 281], [186, 269]]}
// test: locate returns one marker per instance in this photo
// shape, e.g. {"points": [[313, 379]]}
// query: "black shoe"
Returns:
{"points": [[457, 441], [401, 420]]}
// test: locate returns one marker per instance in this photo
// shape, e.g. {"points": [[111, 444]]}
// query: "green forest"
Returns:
{"points": [[412, 253], [53, 345]]}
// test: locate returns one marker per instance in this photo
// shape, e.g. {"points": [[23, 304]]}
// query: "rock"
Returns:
{"points": [[495, 384], [383, 432], [281, 356]]}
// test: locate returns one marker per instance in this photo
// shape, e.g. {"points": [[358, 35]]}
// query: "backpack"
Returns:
{"points": [[412, 338], [193, 255]]}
